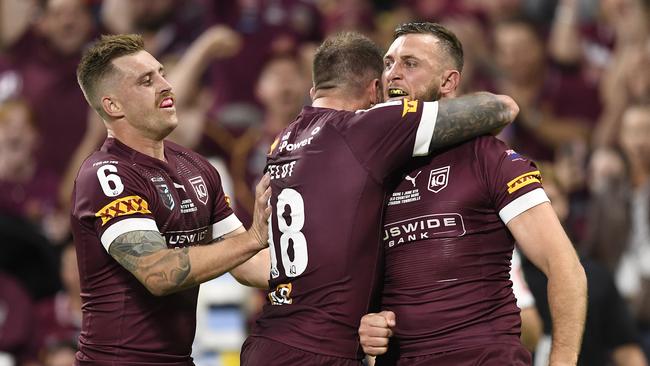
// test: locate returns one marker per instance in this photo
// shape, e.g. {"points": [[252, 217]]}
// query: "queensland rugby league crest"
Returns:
{"points": [[438, 179], [200, 188]]}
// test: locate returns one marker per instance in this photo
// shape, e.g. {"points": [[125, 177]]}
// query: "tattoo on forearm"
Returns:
{"points": [[462, 118], [138, 252]]}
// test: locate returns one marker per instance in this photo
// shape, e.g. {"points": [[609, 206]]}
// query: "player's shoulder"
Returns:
{"points": [[176, 151], [100, 159]]}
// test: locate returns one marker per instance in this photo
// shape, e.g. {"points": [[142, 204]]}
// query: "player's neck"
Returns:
{"points": [[141, 144], [339, 103]]}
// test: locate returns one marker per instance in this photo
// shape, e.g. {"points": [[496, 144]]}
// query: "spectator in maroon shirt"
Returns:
{"points": [[40, 67], [268, 28], [59, 317], [27, 192], [557, 106], [16, 319]]}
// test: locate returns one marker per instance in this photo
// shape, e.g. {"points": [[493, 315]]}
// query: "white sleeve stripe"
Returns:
{"points": [[425, 129], [523, 203], [225, 226], [380, 105], [124, 226]]}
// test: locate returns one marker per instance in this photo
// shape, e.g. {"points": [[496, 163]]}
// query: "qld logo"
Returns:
{"points": [[438, 179], [200, 189]]}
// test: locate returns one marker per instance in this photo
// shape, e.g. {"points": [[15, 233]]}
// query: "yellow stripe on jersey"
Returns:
{"points": [[524, 180], [410, 106], [123, 206]]}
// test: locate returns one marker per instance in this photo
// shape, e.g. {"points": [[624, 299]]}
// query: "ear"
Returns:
{"points": [[375, 92], [312, 93], [450, 83], [112, 108]]}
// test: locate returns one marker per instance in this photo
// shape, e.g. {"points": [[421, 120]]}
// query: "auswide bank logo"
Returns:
{"points": [[445, 225]]}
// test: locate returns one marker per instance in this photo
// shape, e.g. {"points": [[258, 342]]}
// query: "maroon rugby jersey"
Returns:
{"points": [[448, 248], [119, 190], [327, 176]]}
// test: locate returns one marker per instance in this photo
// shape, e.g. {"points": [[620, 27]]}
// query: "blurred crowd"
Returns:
{"points": [[241, 70]]}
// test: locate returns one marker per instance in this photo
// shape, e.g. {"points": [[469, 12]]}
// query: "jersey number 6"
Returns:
{"points": [[111, 183]]}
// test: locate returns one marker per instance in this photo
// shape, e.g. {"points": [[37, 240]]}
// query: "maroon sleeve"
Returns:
{"points": [[513, 181], [387, 136], [110, 192]]}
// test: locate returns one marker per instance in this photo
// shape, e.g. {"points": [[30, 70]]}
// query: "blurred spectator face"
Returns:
{"points": [[635, 135], [605, 166], [151, 15], [519, 51], [282, 86], [70, 271], [415, 67], [17, 139], [67, 24]]}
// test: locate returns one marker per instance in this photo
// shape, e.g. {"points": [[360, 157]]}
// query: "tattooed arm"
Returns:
{"points": [[469, 116], [163, 271]]}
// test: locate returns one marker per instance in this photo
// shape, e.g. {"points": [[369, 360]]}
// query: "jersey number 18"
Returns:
{"points": [[290, 215]]}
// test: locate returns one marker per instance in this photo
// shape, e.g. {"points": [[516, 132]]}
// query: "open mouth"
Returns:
{"points": [[167, 103], [396, 93]]}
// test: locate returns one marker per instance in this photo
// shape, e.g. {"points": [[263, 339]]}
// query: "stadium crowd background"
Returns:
{"points": [[579, 70]]}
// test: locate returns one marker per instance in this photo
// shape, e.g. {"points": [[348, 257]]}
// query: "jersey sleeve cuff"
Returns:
{"points": [[424, 133], [225, 226], [523, 203], [125, 226]]}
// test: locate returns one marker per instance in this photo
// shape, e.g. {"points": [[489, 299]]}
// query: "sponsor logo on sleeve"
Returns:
{"points": [[123, 206], [438, 179], [410, 106], [200, 188], [524, 180], [281, 295]]}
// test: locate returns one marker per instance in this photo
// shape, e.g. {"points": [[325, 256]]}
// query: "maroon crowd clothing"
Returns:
{"points": [[33, 70], [267, 28], [17, 320], [55, 322], [119, 190], [448, 249], [328, 171], [564, 94]]}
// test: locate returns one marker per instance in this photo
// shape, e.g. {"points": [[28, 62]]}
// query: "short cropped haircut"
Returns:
{"points": [[349, 60], [448, 40], [96, 62]]}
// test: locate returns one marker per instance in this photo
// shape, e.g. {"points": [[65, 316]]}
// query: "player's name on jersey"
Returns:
{"points": [[278, 171]]}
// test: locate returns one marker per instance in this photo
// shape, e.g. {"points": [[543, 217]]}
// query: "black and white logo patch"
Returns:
{"points": [[165, 195], [438, 179]]}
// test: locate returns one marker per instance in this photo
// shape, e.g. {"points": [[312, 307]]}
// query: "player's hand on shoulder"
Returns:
{"points": [[260, 227], [375, 331]]}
